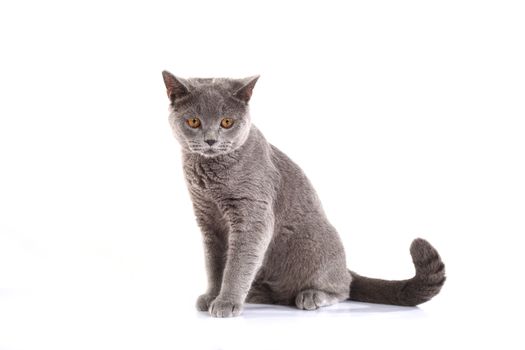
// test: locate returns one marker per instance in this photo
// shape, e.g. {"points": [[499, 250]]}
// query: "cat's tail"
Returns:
{"points": [[429, 278]]}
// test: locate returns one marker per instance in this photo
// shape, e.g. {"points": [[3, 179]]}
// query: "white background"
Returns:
{"points": [[407, 116]]}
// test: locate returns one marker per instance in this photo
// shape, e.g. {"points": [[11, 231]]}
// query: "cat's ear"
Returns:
{"points": [[176, 88], [244, 93]]}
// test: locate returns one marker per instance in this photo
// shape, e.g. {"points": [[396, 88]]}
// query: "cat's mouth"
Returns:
{"points": [[210, 151]]}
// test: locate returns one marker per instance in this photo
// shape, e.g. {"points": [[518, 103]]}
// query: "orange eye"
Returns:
{"points": [[226, 123], [194, 122]]}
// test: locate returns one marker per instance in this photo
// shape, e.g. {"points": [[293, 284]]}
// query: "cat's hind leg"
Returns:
{"points": [[312, 299], [260, 294]]}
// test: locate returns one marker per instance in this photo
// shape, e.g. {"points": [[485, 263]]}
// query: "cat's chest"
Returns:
{"points": [[209, 176], [218, 180]]}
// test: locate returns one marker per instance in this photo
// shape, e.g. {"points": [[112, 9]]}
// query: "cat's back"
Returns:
{"points": [[286, 166], [296, 193]]}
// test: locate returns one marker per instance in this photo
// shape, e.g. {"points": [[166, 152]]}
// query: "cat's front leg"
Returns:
{"points": [[250, 234], [214, 253], [215, 235]]}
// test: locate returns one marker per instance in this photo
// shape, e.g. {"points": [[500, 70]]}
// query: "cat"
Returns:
{"points": [[266, 237]]}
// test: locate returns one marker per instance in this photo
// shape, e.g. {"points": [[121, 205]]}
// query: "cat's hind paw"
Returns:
{"points": [[312, 299]]}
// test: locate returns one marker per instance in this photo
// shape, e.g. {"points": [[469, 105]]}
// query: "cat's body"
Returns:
{"points": [[266, 237], [259, 182]]}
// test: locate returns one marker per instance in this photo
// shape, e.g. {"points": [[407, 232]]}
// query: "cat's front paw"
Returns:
{"points": [[225, 308], [204, 301]]}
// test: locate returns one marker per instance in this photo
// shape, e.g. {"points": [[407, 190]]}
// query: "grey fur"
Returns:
{"points": [[266, 237]]}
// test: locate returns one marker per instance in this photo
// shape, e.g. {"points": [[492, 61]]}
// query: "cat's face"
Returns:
{"points": [[209, 116]]}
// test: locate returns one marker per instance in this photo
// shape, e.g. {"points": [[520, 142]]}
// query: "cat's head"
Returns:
{"points": [[209, 116]]}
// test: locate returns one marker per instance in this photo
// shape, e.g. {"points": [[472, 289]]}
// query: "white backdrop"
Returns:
{"points": [[407, 116]]}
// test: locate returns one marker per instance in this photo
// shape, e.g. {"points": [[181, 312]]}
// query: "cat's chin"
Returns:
{"points": [[214, 153], [210, 153]]}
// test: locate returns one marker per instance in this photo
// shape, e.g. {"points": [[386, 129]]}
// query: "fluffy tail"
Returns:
{"points": [[429, 278]]}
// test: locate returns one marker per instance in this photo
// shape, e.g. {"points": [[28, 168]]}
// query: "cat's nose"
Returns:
{"points": [[210, 142]]}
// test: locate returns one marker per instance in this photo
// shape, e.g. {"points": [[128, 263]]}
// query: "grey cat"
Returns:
{"points": [[266, 237]]}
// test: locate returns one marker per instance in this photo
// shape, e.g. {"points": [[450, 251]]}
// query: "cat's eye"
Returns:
{"points": [[194, 122], [226, 123]]}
